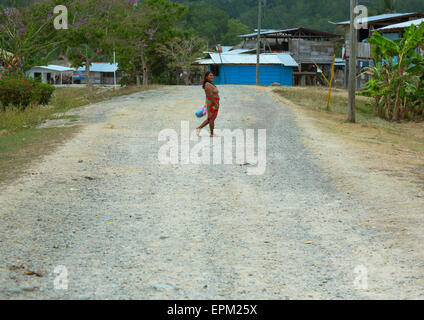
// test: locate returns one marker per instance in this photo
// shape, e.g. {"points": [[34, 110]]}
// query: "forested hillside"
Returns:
{"points": [[220, 21], [286, 13]]}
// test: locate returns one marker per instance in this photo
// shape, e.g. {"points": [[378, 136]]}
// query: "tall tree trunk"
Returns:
{"points": [[395, 116], [403, 109], [377, 106], [399, 86], [88, 62], [145, 70], [389, 95], [186, 76], [137, 77], [145, 77], [388, 105], [87, 75]]}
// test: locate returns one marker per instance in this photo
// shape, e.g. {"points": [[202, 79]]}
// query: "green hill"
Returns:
{"points": [[220, 21], [211, 18]]}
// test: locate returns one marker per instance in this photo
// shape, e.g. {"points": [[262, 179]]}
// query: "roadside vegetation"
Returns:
{"points": [[13, 118], [396, 136], [22, 142], [397, 83]]}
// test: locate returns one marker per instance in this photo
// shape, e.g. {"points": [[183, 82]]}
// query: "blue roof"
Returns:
{"points": [[283, 58], [101, 67], [53, 67], [226, 48], [402, 25], [263, 31], [378, 17]]}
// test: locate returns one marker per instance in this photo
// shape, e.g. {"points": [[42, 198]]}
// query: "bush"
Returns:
{"points": [[127, 80], [23, 91], [44, 93]]}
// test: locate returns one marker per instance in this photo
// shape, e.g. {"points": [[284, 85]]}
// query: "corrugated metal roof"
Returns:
{"points": [[237, 51], [204, 61], [101, 67], [265, 58], [264, 31], [403, 25], [311, 32], [378, 17], [287, 59], [53, 67], [339, 62]]}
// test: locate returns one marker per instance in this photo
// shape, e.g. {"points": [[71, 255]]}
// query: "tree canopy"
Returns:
{"points": [[213, 16]]}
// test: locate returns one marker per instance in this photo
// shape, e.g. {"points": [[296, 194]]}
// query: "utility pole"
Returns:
{"points": [[258, 44], [352, 63], [114, 72]]}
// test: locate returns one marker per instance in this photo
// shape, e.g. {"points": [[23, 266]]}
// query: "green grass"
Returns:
{"points": [[18, 149], [369, 128], [64, 117], [20, 140], [64, 99], [316, 98]]}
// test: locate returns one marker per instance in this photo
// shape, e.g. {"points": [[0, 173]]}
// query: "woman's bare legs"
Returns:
{"points": [[204, 124], [212, 126]]}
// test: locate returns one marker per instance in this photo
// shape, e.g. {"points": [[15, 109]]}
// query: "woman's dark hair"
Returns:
{"points": [[205, 79]]}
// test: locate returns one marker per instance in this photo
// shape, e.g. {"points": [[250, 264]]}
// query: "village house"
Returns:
{"points": [[100, 73], [239, 67], [395, 31], [372, 23], [51, 74], [288, 57], [4, 55], [306, 46]]}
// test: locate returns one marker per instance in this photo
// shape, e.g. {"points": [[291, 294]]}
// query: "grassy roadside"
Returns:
{"points": [[405, 136], [21, 142]]}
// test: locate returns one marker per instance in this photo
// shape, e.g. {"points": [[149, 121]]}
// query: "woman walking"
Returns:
{"points": [[212, 103]]}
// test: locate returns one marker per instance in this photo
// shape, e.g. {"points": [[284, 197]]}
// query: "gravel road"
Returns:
{"points": [[127, 227]]}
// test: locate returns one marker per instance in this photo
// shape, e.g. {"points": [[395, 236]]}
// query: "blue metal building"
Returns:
{"points": [[235, 67]]}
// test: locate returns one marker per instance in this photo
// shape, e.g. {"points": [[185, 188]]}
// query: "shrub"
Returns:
{"points": [[44, 93], [397, 84], [127, 80], [23, 91]]}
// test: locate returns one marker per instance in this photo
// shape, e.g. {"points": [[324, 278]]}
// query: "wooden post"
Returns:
{"points": [[331, 83], [322, 73], [352, 63], [258, 45], [345, 82]]}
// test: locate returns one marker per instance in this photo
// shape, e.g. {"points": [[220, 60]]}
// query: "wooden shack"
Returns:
{"points": [[370, 24], [306, 46]]}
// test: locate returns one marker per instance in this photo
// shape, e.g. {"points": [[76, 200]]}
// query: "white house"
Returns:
{"points": [[100, 73], [51, 74]]}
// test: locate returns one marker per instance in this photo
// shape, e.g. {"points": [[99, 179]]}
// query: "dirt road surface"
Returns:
{"points": [[102, 217]]}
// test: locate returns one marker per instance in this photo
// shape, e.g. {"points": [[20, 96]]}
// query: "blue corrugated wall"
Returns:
{"points": [[246, 74]]}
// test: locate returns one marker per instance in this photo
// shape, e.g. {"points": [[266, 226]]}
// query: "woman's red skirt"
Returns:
{"points": [[213, 106]]}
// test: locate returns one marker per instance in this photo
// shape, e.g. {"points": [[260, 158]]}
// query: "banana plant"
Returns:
{"points": [[401, 64]]}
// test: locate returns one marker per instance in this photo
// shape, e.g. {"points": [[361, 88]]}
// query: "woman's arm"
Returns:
{"points": [[209, 90]]}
